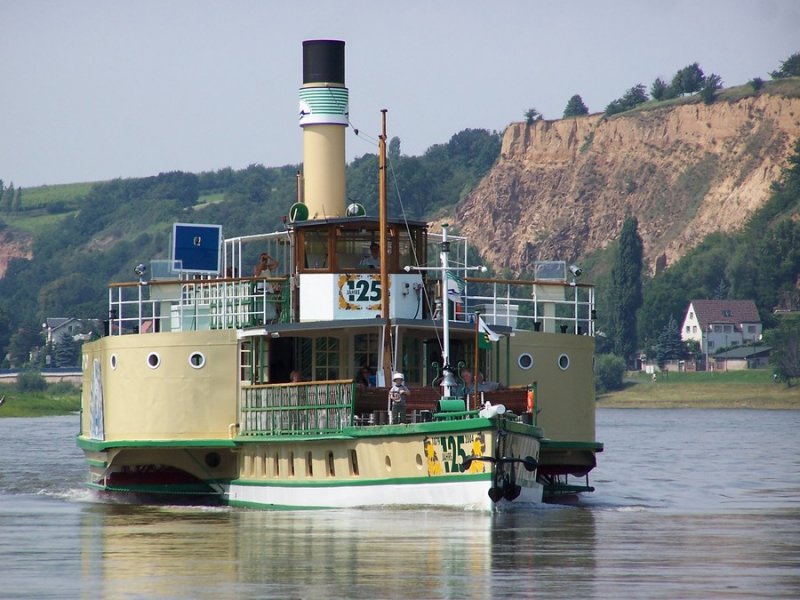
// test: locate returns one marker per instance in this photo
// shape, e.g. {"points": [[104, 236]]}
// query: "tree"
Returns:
{"points": [[756, 83], [658, 89], [785, 354], [532, 115], [66, 351], [21, 344], [626, 290], [712, 83], [575, 107], [688, 80], [18, 200], [610, 370], [633, 97], [669, 346], [394, 148], [789, 68], [2, 190], [8, 197]]}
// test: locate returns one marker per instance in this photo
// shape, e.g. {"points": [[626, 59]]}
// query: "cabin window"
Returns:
{"points": [[309, 465], [316, 249], [563, 362], [113, 361], [355, 252], [260, 360], [407, 248], [245, 363], [331, 465], [153, 360], [525, 361], [326, 358], [353, 462], [291, 464], [365, 350], [412, 360], [302, 357], [197, 360]]}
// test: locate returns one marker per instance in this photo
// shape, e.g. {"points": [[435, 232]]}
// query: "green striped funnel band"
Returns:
{"points": [[324, 105]]}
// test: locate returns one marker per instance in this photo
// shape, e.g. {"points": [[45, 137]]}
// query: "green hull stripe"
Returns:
{"points": [[100, 445], [554, 445], [454, 478], [166, 490]]}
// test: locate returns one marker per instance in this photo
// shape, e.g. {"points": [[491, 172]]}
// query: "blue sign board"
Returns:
{"points": [[198, 247]]}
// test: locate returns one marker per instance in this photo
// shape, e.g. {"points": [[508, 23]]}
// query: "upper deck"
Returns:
{"points": [[324, 271]]}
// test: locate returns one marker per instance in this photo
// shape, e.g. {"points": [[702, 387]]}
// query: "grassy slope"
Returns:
{"points": [[59, 401], [734, 389]]}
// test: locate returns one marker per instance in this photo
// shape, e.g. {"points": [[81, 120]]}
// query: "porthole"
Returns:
{"points": [[153, 360], [197, 360], [525, 361], [113, 361], [563, 362]]}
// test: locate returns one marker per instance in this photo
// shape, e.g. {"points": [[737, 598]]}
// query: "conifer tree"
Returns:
{"points": [[575, 107], [8, 197], [626, 290]]}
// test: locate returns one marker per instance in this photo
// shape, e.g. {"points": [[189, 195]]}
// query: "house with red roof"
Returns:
{"points": [[717, 324]]}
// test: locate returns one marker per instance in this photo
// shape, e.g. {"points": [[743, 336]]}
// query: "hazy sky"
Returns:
{"points": [[93, 90]]}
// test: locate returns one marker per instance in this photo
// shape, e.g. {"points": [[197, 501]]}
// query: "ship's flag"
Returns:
{"points": [[486, 331], [455, 287]]}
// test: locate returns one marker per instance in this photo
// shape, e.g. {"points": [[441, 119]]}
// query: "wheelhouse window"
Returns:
{"points": [[315, 249]]}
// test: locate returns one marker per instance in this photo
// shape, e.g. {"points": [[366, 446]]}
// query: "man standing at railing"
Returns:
{"points": [[398, 394]]}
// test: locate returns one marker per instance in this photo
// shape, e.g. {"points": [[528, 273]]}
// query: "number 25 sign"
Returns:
{"points": [[359, 292]]}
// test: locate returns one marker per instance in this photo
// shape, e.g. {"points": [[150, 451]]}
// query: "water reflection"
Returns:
{"points": [[193, 552]]}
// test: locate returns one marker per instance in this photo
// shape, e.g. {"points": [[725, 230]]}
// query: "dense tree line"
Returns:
{"points": [[127, 221]]}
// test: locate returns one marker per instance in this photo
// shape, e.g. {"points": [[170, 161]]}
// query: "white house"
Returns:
{"points": [[717, 324]]}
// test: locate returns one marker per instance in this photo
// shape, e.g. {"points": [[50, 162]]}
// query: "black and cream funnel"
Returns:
{"points": [[324, 115]]}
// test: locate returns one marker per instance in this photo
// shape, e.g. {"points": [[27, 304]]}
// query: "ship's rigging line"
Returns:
{"points": [[374, 142]]}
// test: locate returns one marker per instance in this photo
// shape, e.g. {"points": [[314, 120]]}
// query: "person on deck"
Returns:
{"points": [[373, 261], [398, 394]]}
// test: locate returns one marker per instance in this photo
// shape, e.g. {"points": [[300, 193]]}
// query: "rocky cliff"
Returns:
{"points": [[562, 189]]}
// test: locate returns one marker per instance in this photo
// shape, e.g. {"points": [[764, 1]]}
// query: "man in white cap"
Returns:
{"points": [[397, 399]]}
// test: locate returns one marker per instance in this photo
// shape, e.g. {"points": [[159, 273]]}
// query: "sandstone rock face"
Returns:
{"points": [[562, 189], [13, 245]]}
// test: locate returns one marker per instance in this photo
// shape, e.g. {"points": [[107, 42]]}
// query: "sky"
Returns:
{"points": [[93, 90]]}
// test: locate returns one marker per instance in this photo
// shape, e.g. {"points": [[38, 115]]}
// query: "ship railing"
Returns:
{"points": [[320, 407], [196, 304], [555, 307]]}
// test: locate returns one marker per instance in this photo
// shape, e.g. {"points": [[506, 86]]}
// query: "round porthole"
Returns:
{"points": [[153, 360], [525, 361], [113, 361], [563, 362], [197, 360]]}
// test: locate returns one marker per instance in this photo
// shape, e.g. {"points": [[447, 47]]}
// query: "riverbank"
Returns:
{"points": [[733, 389], [57, 399]]}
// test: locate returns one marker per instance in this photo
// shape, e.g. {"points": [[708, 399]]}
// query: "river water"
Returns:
{"points": [[689, 504]]}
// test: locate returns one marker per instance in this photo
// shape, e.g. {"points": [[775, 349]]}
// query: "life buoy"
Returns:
{"points": [[531, 400]]}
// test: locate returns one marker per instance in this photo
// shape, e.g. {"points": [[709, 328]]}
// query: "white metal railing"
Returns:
{"points": [[202, 304], [556, 307]]}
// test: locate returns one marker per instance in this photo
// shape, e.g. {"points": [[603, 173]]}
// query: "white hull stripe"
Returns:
{"points": [[459, 494]]}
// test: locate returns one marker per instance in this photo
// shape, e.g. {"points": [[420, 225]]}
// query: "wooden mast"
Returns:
{"points": [[382, 209]]}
